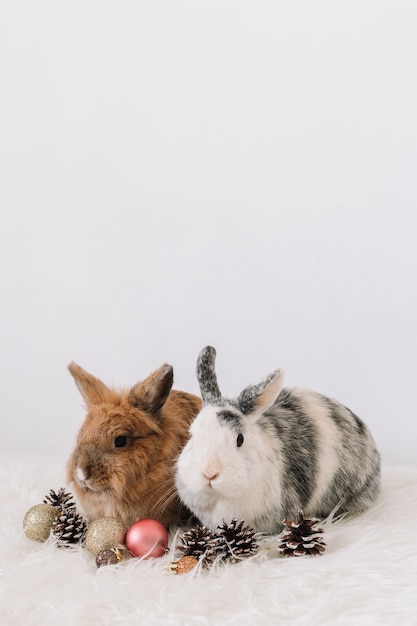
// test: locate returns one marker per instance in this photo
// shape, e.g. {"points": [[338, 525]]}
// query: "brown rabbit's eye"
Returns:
{"points": [[240, 439], [120, 441]]}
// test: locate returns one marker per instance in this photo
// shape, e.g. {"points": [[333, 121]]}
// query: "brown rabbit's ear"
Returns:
{"points": [[91, 388], [152, 393]]}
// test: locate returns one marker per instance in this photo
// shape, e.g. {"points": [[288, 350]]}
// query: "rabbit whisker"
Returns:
{"points": [[165, 500]]}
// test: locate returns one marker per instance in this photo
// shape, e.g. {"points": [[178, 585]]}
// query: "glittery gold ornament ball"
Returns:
{"points": [[103, 533], [109, 556], [184, 565], [38, 521]]}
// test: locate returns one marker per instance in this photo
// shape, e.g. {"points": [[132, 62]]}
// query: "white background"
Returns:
{"points": [[183, 173]]}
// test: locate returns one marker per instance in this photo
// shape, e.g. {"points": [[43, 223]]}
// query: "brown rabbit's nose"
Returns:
{"points": [[82, 473]]}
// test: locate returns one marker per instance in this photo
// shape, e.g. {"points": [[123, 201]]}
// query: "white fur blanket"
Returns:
{"points": [[368, 574]]}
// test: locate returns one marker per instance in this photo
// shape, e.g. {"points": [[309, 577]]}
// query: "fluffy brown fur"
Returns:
{"points": [[135, 479]]}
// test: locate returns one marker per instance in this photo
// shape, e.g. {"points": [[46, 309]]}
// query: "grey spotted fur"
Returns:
{"points": [[317, 454], [206, 376]]}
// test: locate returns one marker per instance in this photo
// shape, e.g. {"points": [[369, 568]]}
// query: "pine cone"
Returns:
{"points": [[69, 528], [63, 499], [301, 538], [236, 541], [199, 542]]}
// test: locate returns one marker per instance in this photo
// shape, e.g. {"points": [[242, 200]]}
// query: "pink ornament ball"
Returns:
{"points": [[147, 538]]}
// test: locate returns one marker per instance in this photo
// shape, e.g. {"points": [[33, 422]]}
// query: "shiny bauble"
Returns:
{"points": [[147, 538], [109, 556], [38, 521], [104, 533], [184, 565]]}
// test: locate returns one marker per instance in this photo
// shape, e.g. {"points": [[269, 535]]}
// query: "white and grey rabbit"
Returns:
{"points": [[271, 452]]}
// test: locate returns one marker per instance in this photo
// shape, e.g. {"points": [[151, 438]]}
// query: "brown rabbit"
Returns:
{"points": [[122, 465]]}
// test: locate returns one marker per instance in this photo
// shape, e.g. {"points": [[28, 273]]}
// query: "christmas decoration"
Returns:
{"points": [[58, 516], [301, 538], [147, 538], [69, 527], [106, 532], [184, 565], [200, 543], [233, 543], [236, 541], [38, 521], [63, 499], [109, 556]]}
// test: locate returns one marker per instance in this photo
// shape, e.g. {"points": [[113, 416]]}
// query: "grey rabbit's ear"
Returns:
{"points": [[256, 399], [152, 393], [206, 376], [92, 389]]}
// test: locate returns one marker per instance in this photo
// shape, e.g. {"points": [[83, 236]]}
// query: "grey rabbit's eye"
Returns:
{"points": [[240, 439], [120, 441]]}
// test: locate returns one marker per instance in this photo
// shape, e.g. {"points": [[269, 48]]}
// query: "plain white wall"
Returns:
{"points": [[179, 173]]}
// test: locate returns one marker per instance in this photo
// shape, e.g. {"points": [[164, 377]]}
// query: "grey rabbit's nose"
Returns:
{"points": [[212, 476]]}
